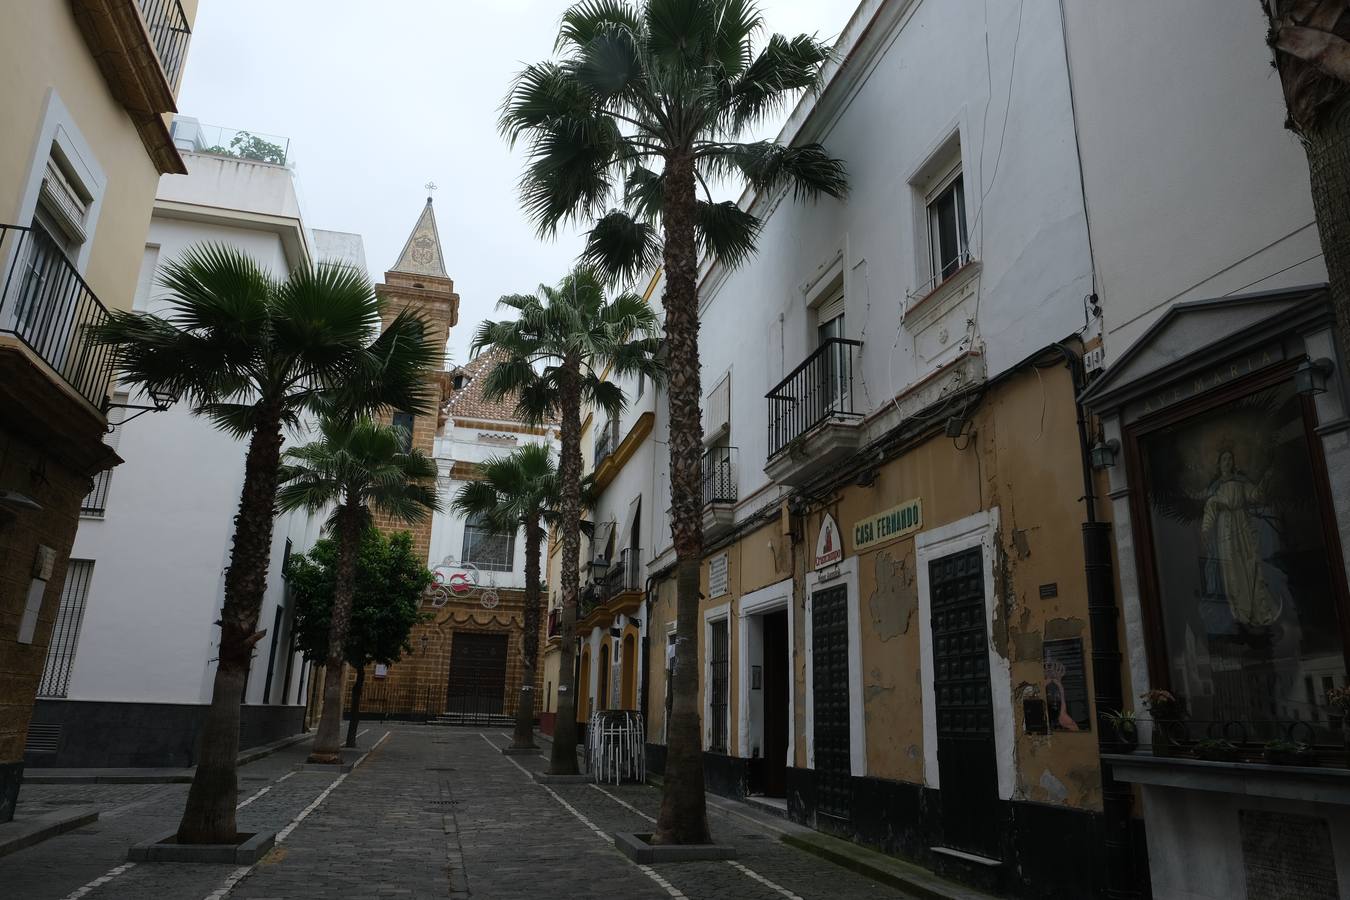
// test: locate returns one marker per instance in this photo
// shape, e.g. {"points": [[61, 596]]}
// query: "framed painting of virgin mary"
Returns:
{"points": [[1246, 600]]}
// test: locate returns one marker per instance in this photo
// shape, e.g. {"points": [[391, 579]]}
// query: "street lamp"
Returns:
{"points": [[1103, 454], [1310, 378]]}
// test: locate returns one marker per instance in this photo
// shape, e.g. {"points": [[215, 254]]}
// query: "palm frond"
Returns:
{"points": [[622, 247], [725, 231]]}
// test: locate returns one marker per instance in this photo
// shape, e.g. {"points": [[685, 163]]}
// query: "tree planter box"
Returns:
{"points": [[639, 849], [165, 848]]}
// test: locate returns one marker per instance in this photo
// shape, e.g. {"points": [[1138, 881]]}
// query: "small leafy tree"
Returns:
{"points": [[245, 145], [386, 604]]}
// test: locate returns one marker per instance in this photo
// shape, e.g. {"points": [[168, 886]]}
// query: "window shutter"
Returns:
{"points": [[60, 199]]}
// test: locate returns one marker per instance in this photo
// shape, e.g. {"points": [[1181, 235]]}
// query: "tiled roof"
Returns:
{"points": [[468, 402]]}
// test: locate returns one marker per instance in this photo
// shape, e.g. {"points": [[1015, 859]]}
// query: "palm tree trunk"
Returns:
{"points": [[684, 816], [354, 720], [524, 736], [349, 524], [209, 817], [564, 756], [1328, 148]]}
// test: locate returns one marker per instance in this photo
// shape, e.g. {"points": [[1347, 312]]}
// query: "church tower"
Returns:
{"points": [[418, 281]]}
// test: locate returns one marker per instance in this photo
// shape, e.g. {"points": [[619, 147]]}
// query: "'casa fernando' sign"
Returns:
{"points": [[895, 522]]}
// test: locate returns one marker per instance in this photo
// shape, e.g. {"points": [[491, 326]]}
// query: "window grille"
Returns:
{"points": [[405, 421], [66, 631], [486, 548]]}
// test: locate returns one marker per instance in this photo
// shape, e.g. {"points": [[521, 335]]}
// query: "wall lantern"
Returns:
{"points": [[1104, 454], [1310, 378], [599, 566]]}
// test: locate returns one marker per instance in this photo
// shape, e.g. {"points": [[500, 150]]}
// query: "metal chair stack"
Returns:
{"points": [[615, 750]]}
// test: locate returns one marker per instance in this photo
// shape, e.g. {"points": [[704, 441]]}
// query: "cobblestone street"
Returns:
{"points": [[429, 812]]}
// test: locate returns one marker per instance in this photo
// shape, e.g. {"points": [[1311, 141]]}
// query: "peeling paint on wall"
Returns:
{"points": [[1057, 629], [896, 597], [1056, 789]]}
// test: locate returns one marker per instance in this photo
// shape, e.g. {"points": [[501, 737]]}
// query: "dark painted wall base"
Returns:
{"points": [[10, 776], [97, 734], [726, 776], [1048, 851]]}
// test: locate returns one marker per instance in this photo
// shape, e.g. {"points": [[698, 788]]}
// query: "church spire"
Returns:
{"points": [[422, 253]]}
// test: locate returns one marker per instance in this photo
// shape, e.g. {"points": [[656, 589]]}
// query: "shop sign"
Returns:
{"points": [[893, 523], [829, 544]]}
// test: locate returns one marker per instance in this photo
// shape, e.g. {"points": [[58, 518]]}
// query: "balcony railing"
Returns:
{"points": [[819, 389], [170, 32], [192, 136], [719, 475], [624, 574], [46, 304], [606, 441]]}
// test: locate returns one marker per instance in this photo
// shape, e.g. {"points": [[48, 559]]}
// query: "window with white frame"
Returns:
{"points": [[487, 548], [947, 244]]}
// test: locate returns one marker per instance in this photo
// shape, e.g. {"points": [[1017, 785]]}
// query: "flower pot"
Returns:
{"points": [[1163, 742], [1127, 733]]}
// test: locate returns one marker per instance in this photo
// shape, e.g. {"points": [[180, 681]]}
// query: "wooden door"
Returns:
{"points": [[477, 674], [967, 767]]}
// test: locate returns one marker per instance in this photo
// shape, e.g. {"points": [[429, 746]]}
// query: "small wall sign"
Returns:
{"points": [[717, 576], [889, 524], [829, 544]]}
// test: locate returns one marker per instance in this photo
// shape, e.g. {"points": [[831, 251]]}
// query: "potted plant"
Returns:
{"points": [[1126, 727], [1280, 752], [1216, 750], [1167, 713]]}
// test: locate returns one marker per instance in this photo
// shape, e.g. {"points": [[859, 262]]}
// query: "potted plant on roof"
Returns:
{"points": [[1167, 713]]}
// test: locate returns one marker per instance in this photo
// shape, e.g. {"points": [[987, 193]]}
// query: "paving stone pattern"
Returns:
{"points": [[431, 813]]}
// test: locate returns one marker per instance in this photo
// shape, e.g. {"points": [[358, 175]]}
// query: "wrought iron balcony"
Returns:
{"points": [[623, 575], [719, 475], [47, 305], [606, 441], [818, 390], [170, 33]]}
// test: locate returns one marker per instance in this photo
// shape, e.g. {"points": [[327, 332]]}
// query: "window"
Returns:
{"points": [[66, 630], [1243, 596], [405, 421], [488, 549], [718, 663], [947, 227]]}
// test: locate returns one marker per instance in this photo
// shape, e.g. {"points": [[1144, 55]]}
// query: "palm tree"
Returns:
{"points": [[1311, 41], [554, 356], [519, 489], [357, 466], [672, 83], [254, 355]]}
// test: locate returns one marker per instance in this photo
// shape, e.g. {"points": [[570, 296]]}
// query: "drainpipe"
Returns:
{"points": [[646, 653], [1108, 687]]}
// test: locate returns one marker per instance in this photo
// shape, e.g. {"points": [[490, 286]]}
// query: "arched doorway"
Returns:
{"points": [[629, 683], [584, 687], [602, 690]]}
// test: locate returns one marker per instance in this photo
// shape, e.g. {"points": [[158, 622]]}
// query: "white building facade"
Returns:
{"points": [[130, 673]]}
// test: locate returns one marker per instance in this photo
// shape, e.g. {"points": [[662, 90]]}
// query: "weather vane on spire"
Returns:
{"points": [[430, 186]]}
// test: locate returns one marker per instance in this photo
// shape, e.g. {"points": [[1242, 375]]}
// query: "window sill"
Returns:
{"points": [[1322, 784], [949, 285]]}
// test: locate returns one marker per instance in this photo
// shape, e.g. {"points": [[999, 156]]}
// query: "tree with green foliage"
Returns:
{"points": [[553, 358], [255, 356], [354, 467], [645, 104], [386, 604]]}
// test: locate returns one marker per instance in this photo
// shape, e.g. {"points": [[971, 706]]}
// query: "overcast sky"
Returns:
{"points": [[379, 98]]}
